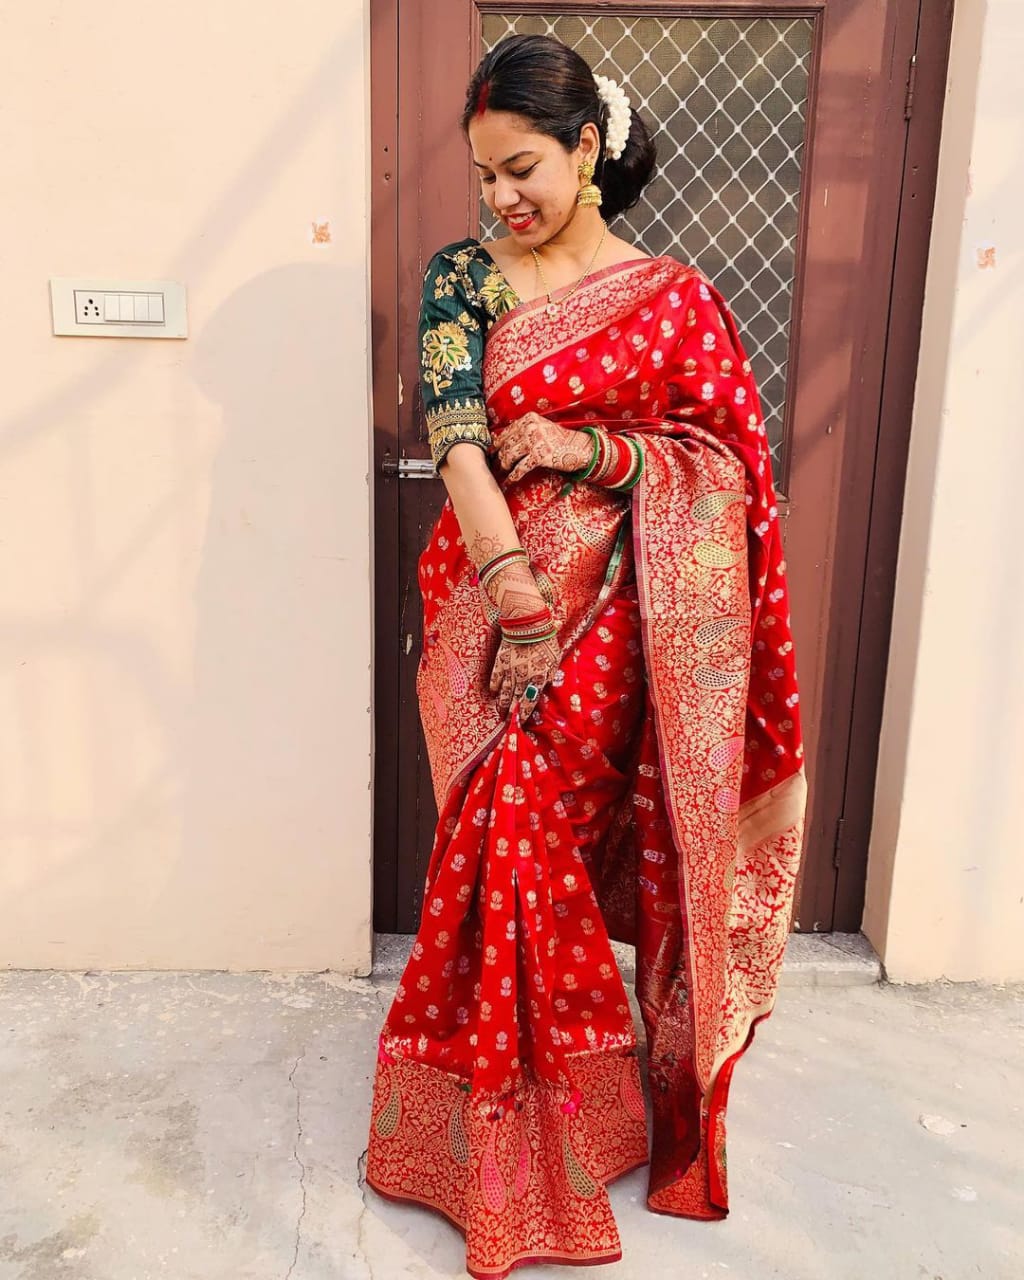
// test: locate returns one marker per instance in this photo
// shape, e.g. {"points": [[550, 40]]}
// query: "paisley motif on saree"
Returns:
{"points": [[656, 796]]}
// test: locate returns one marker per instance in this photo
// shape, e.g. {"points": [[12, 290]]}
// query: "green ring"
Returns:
{"points": [[531, 693]]}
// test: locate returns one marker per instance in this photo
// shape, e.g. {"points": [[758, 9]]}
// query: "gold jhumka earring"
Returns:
{"points": [[589, 193]]}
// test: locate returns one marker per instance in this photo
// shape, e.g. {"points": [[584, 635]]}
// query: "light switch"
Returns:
{"points": [[119, 309]]}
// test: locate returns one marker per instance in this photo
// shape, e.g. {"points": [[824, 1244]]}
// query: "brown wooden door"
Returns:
{"points": [[785, 175]]}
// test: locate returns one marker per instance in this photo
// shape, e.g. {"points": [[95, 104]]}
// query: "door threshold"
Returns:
{"points": [[811, 960]]}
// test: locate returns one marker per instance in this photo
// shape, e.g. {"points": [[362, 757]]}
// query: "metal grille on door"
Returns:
{"points": [[728, 99]]}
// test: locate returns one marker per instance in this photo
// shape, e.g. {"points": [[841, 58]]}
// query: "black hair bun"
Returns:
{"points": [[622, 181]]}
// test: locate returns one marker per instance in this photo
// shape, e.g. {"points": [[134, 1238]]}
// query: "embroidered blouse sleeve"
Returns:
{"points": [[451, 359]]}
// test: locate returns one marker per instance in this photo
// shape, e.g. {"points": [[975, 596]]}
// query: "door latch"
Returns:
{"points": [[408, 468]]}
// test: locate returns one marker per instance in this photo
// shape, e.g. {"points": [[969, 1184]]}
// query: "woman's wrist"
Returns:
{"points": [[528, 628], [585, 472], [513, 589], [627, 466], [617, 462], [492, 568]]}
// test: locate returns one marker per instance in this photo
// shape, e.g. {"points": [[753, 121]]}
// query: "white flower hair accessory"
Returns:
{"points": [[614, 98]]}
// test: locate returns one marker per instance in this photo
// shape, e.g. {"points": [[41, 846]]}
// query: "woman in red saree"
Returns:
{"points": [[608, 695]]}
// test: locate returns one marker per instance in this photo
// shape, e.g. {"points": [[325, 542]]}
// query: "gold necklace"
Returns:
{"points": [[553, 307]]}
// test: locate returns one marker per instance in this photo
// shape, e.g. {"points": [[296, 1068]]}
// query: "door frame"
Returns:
{"points": [[384, 363], [863, 637], [926, 94]]}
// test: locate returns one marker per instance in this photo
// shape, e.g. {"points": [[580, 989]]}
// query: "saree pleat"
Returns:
{"points": [[654, 797], [516, 1041]]}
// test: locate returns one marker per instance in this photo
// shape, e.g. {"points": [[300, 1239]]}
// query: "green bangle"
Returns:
{"points": [[548, 635], [577, 476], [509, 551]]}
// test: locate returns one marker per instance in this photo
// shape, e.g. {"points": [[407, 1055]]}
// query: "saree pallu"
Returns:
{"points": [[655, 796]]}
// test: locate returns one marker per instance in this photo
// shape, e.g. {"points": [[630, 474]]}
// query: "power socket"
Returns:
{"points": [[87, 307], [90, 307]]}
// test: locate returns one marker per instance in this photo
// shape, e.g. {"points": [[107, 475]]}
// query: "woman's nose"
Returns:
{"points": [[506, 195]]}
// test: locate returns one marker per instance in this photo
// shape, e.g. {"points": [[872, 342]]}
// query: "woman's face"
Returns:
{"points": [[528, 180]]}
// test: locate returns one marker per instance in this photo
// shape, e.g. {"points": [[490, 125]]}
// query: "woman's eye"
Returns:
{"points": [[489, 177]]}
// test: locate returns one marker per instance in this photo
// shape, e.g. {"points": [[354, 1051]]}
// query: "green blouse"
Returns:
{"points": [[464, 293]]}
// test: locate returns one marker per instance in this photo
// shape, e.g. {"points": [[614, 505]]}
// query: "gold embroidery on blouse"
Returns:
{"points": [[497, 294], [442, 440], [445, 350], [469, 413], [444, 286], [458, 420]]}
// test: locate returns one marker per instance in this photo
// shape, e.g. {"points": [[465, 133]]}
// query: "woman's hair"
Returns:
{"points": [[551, 86]]}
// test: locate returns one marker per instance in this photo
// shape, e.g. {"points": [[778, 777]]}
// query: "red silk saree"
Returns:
{"points": [[655, 797]]}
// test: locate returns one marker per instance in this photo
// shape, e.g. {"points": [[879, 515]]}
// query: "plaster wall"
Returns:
{"points": [[186, 532], [945, 894], [185, 560]]}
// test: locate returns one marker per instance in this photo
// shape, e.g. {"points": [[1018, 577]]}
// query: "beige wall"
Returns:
{"points": [[184, 725], [185, 526], [946, 878]]}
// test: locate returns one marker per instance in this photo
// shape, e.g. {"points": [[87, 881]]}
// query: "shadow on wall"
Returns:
{"points": [[102, 713], [280, 605]]}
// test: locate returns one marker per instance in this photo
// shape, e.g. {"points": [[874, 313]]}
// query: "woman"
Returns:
{"points": [[608, 696]]}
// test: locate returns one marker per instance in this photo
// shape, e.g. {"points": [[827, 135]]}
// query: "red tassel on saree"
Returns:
{"points": [[655, 796]]}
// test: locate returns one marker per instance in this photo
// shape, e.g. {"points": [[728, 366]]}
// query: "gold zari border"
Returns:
{"points": [[455, 422]]}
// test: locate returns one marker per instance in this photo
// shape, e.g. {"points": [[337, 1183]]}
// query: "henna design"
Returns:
{"points": [[515, 592], [533, 441], [484, 547], [519, 665], [519, 604]]}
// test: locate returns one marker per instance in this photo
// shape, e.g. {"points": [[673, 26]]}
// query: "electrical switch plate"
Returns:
{"points": [[118, 308]]}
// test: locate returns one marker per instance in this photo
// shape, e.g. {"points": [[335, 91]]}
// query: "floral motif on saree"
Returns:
{"points": [[656, 795]]}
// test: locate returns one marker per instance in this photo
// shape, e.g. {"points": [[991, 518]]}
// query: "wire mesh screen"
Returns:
{"points": [[726, 99]]}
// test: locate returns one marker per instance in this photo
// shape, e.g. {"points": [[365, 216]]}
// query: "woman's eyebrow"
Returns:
{"points": [[511, 159]]}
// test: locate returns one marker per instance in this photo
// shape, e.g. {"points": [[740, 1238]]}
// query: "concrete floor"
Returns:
{"points": [[210, 1126]]}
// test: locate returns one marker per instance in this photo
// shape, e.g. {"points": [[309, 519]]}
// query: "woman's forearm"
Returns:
{"points": [[488, 530], [480, 506]]}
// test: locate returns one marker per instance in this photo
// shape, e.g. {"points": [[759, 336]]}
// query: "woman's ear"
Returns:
{"points": [[589, 144]]}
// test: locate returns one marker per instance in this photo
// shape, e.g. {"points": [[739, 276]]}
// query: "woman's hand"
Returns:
{"points": [[520, 670], [532, 441]]}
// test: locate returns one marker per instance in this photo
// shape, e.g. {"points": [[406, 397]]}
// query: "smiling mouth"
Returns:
{"points": [[520, 221]]}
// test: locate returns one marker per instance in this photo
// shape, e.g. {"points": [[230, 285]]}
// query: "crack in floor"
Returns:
{"points": [[298, 1161], [361, 1249]]}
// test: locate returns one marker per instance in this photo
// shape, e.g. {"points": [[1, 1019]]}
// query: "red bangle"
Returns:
{"points": [[621, 466], [529, 629], [636, 468], [527, 619]]}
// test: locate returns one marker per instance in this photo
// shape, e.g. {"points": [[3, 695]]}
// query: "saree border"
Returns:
{"points": [[526, 306], [772, 812], [591, 309], [706, 1020]]}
